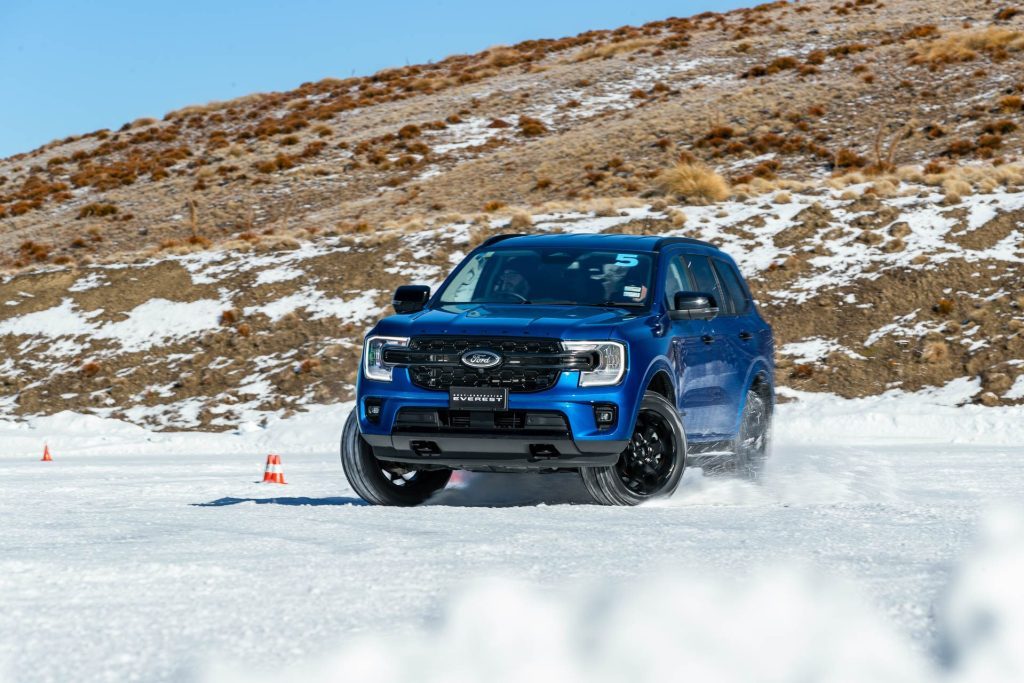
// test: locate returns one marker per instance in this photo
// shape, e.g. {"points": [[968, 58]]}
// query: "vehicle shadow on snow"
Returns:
{"points": [[513, 490], [295, 500]]}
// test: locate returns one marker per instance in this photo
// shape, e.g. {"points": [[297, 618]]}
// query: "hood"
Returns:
{"points": [[512, 320]]}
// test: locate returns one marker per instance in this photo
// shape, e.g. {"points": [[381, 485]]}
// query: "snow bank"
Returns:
{"points": [[317, 430], [784, 624], [936, 415]]}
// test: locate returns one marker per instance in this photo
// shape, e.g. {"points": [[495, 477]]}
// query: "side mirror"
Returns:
{"points": [[693, 306], [410, 298]]}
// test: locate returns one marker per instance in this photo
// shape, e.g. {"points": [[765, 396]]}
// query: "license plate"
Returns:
{"points": [[478, 398]]}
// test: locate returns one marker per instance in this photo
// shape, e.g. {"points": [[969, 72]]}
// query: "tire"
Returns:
{"points": [[382, 483], [753, 443], [652, 464]]}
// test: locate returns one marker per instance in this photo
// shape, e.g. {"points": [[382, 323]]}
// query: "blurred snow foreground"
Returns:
{"points": [[784, 624]]}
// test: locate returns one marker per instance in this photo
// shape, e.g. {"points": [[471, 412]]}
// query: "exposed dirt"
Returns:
{"points": [[371, 182], [841, 90]]}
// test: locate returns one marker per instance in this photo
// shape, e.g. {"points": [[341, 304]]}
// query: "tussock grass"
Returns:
{"points": [[935, 352], [609, 50], [521, 220], [965, 46], [693, 182]]}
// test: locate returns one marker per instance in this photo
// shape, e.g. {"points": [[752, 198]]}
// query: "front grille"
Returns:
{"points": [[528, 364], [514, 380], [511, 419]]}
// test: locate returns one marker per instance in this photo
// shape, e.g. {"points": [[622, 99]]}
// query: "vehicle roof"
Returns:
{"points": [[601, 240]]}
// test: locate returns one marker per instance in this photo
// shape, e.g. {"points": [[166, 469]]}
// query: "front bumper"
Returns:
{"points": [[469, 451], [581, 443]]}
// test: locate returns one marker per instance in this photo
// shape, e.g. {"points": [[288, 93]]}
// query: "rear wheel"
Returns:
{"points": [[754, 440], [384, 483], [651, 465]]}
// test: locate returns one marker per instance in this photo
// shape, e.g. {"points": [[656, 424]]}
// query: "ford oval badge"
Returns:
{"points": [[481, 360]]}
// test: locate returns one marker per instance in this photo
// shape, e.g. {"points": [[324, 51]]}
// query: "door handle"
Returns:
{"points": [[707, 339], [744, 335]]}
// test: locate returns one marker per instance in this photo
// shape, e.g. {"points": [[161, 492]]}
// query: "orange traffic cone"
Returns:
{"points": [[46, 454], [273, 473]]}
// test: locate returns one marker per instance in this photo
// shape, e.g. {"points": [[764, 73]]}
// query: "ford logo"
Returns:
{"points": [[481, 359]]}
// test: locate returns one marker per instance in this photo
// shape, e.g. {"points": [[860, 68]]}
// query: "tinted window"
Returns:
{"points": [[678, 280], [704, 278], [731, 279]]}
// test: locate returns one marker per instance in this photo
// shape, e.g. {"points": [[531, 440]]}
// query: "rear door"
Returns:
{"points": [[710, 394], [736, 334]]}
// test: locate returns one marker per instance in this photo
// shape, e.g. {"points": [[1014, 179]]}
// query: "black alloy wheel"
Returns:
{"points": [[652, 463]]}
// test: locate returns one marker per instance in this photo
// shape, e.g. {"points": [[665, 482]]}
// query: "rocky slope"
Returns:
{"points": [[224, 262]]}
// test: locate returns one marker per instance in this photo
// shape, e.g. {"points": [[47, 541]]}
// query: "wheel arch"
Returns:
{"points": [[658, 377], [660, 382], [759, 378]]}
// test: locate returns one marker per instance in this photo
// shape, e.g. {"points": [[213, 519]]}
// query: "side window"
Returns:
{"points": [[704, 278], [731, 280], [463, 288], [678, 280]]}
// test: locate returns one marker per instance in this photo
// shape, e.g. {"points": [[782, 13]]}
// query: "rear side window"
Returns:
{"points": [[704, 278], [730, 279]]}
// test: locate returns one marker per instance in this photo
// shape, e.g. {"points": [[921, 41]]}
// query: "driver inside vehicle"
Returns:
{"points": [[511, 282]]}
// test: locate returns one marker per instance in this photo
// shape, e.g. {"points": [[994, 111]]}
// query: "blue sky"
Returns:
{"points": [[69, 67]]}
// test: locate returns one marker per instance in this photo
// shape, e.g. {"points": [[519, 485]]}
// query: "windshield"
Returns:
{"points": [[549, 275]]}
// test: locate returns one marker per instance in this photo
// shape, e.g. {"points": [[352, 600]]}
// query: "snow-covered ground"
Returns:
{"points": [[145, 556]]}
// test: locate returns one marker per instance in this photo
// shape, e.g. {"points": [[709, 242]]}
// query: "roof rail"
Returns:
{"points": [[666, 241], [496, 238]]}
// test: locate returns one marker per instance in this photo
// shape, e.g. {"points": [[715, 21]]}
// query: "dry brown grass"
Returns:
{"points": [[90, 368], [531, 127], [965, 46], [520, 220], [935, 352], [309, 365], [966, 179], [956, 189], [693, 182], [1010, 103], [97, 210], [609, 50]]}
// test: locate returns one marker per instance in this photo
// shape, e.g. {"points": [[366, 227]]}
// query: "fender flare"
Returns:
{"points": [[759, 367], [658, 364]]}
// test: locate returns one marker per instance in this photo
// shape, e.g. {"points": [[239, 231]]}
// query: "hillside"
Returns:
{"points": [[859, 159]]}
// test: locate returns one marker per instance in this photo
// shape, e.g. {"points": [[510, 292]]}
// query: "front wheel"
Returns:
{"points": [[384, 483], [651, 465]]}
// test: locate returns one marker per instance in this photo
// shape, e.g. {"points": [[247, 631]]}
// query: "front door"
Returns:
{"points": [[692, 358], [718, 369]]}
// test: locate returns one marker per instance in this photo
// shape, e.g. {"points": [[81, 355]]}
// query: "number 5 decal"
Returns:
{"points": [[628, 260]]}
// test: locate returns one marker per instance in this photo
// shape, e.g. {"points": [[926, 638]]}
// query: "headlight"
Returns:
{"points": [[373, 356], [611, 365]]}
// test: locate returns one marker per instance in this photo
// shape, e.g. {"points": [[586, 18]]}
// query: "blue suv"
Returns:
{"points": [[624, 357]]}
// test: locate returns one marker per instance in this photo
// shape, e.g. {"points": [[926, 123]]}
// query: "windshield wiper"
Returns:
{"points": [[614, 304]]}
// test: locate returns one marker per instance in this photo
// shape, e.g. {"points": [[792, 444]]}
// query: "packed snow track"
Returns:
{"points": [[136, 556]]}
